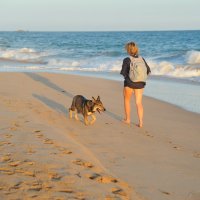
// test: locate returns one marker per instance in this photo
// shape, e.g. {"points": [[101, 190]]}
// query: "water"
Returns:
{"points": [[174, 57]]}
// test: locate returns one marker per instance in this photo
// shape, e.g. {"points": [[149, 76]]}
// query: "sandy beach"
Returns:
{"points": [[46, 155]]}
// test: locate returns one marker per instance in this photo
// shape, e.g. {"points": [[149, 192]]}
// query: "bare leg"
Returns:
{"points": [[127, 107], [138, 101], [93, 119]]}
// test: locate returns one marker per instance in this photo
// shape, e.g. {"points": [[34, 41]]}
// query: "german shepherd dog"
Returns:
{"points": [[85, 107]]}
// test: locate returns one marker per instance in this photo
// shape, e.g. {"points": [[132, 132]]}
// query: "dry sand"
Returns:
{"points": [[46, 155]]}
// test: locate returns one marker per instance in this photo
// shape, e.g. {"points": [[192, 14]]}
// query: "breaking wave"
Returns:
{"points": [[30, 59], [193, 57], [169, 69], [22, 55]]}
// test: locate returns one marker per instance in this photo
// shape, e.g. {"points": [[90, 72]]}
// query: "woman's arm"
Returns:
{"points": [[125, 67]]}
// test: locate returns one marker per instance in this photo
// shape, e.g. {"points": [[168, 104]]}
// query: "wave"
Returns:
{"points": [[22, 55], [30, 59], [85, 65], [169, 69], [63, 63], [193, 57], [163, 68]]}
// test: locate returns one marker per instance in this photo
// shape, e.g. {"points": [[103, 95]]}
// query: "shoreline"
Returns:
{"points": [[193, 87], [160, 161]]}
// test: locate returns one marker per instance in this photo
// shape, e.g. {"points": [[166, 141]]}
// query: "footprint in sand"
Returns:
{"points": [[16, 185], [30, 150], [54, 176], [8, 135], [37, 131], [164, 192], [30, 163], [35, 186], [83, 163], [176, 147], [39, 135], [148, 134], [48, 141], [15, 163], [14, 126], [2, 143], [196, 154], [6, 158], [112, 198], [47, 185], [65, 190], [119, 191], [7, 171], [63, 187], [64, 150], [30, 173], [101, 178]]}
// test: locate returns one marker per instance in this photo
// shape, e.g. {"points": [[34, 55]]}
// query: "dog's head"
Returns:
{"points": [[98, 105]]}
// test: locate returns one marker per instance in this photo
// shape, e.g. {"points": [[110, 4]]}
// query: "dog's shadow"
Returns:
{"points": [[54, 105], [62, 109]]}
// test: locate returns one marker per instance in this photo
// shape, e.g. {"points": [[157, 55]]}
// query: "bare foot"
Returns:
{"points": [[126, 122], [139, 125]]}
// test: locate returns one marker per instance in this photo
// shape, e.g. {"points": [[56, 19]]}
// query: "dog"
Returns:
{"points": [[85, 107]]}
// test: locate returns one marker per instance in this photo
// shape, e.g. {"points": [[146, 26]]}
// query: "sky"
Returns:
{"points": [[99, 15]]}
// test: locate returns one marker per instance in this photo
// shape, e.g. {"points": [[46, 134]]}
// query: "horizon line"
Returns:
{"points": [[159, 30]]}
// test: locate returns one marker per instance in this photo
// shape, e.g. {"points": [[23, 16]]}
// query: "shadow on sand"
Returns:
{"points": [[54, 105], [48, 83]]}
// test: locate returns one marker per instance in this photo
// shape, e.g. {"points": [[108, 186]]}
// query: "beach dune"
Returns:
{"points": [[46, 155]]}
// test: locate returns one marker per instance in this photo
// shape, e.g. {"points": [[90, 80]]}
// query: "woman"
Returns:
{"points": [[136, 85]]}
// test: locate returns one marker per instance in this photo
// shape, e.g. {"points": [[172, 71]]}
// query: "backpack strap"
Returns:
{"points": [[147, 66]]}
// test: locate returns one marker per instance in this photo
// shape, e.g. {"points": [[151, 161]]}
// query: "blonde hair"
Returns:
{"points": [[132, 48]]}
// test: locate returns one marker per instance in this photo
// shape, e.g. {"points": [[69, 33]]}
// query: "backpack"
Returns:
{"points": [[138, 69]]}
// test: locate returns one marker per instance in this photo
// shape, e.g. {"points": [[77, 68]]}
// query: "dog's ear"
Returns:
{"points": [[94, 99], [98, 98]]}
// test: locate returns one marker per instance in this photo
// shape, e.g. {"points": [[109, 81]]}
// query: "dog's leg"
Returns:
{"points": [[86, 120], [76, 115], [70, 113], [93, 119]]}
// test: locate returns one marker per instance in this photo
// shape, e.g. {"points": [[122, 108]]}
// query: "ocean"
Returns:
{"points": [[173, 56]]}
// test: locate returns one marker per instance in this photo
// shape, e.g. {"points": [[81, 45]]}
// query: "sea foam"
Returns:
{"points": [[193, 57], [22, 54]]}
